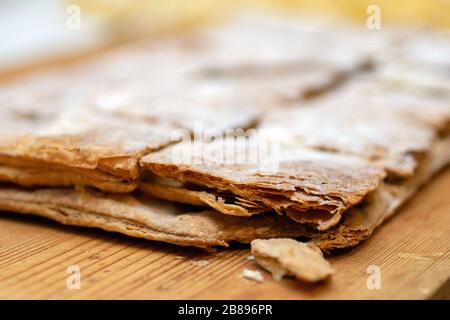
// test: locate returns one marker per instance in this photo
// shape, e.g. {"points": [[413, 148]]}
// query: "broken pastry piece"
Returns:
{"points": [[288, 257], [311, 187], [252, 275]]}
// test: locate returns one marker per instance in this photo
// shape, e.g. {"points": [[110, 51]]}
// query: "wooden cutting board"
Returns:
{"points": [[412, 251]]}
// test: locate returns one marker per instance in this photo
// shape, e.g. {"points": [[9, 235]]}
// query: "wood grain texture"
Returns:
{"points": [[412, 250]]}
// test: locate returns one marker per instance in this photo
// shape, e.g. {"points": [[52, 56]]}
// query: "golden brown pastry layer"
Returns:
{"points": [[360, 222], [144, 217], [321, 185]]}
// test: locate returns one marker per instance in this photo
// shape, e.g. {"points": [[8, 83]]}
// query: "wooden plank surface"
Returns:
{"points": [[411, 250]]}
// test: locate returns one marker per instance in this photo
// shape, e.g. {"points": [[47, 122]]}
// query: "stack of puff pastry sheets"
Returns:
{"points": [[97, 143]]}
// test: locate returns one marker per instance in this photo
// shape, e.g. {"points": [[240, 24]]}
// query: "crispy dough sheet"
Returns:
{"points": [[422, 105], [385, 130], [97, 143], [312, 187], [197, 198], [32, 176], [387, 122], [243, 43], [360, 222], [143, 217], [77, 141], [240, 207], [387, 126], [409, 64]]}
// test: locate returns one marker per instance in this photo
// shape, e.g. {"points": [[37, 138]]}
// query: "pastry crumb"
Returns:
{"points": [[252, 275], [288, 257]]}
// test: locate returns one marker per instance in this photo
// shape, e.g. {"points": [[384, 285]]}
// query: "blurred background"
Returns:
{"points": [[169, 11], [47, 31]]}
